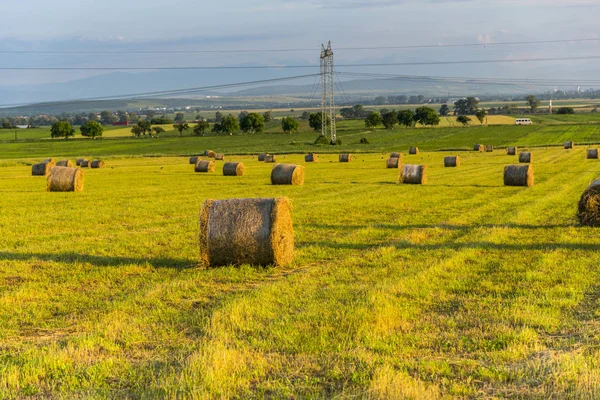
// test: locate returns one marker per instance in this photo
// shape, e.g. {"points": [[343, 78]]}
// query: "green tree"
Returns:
{"points": [[389, 119], [532, 102], [426, 116], [463, 119], [91, 129], [252, 123], [123, 116], [182, 126], [92, 116], [565, 110], [406, 118], [201, 127], [314, 120], [62, 129], [107, 117], [480, 114], [144, 126], [218, 116], [373, 119], [289, 124], [157, 130], [137, 130], [228, 125], [179, 118], [444, 110], [467, 106], [268, 116]]}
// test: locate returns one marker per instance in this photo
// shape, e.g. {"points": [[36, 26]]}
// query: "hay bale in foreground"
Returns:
{"points": [[64, 163], [592, 154], [194, 160], [345, 157], [396, 155], [413, 150], [414, 174], [525, 157], [518, 175], [219, 156], [511, 151], [489, 148], [246, 231], [78, 161], [234, 169], [262, 156], [205, 166], [269, 158], [65, 179], [479, 148], [41, 169], [393, 162], [452, 161], [97, 164], [287, 174], [569, 145], [588, 209], [211, 154], [311, 157], [85, 164]]}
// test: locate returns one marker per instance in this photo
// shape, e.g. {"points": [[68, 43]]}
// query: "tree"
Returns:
{"points": [[268, 116], [355, 112], [123, 116], [137, 130], [143, 126], [389, 119], [182, 126], [305, 115], [150, 114], [444, 110], [218, 116], [201, 127], [373, 119], [107, 117], [289, 124], [179, 118], [242, 115], [565, 110], [133, 117], [91, 129], [252, 123], [157, 130], [228, 125], [480, 114], [92, 116], [532, 102], [314, 120], [161, 120], [62, 129], [467, 106], [406, 118], [426, 116], [463, 119]]}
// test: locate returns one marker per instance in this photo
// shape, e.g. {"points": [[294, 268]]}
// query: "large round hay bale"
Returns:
{"points": [[592, 154], [65, 179], [479, 148], [311, 157], [78, 161], [413, 150], [85, 164], [511, 151], [211, 154], [41, 169], [393, 162], [194, 160], [287, 174], [396, 155], [588, 209], [262, 156], [269, 158], [246, 231], [205, 166], [64, 163], [452, 161], [51, 160], [489, 148], [518, 175], [569, 145], [220, 156], [414, 174], [345, 157], [97, 164], [233, 169], [525, 157]]}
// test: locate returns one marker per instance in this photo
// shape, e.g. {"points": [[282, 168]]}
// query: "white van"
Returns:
{"points": [[522, 121]]}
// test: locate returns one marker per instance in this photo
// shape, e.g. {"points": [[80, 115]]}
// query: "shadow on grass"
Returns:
{"points": [[463, 228]]}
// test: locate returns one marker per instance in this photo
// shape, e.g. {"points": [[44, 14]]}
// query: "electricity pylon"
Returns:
{"points": [[327, 96]]}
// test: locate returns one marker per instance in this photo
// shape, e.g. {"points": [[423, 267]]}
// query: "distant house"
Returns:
{"points": [[126, 123], [22, 126]]}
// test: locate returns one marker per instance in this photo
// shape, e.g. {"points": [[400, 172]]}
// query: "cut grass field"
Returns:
{"points": [[459, 288]]}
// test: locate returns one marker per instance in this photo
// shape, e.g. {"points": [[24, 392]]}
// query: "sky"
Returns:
{"points": [[126, 25]]}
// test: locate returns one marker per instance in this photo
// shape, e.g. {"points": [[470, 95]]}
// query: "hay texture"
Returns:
{"points": [[518, 175], [396, 155], [269, 158], [413, 150], [41, 169], [525, 157], [393, 162], [452, 161], [479, 148], [78, 161], [311, 157], [233, 169], [211, 154], [592, 154], [65, 179], [262, 156], [287, 174], [414, 174], [246, 231], [220, 156], [64, 163], [489, 148], [588, 210], [194, 160], [85, 164], [569, 145], [205, 166], [97, 164], [345, 158], [511, 151]]}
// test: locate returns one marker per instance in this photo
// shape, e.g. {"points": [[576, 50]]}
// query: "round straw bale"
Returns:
{"points": [[393, 162], [220, 156], [65, 179], [518, 175], [211, 154], [413, 150], [511, 151], [205, 166], [261, 157], [64, 163], [589, 205], [194, 160], [415, 174], [78, 161], [97, 164], [287, 174], [51, 159], [489, 148], [85, 164], [269, 158], [452, 161], [396, 155], [569, 145], [592, 153], [525, 157], [233, 169], [311, 157], [479, 148], [41, 169], [246, 231], [345, 157]]}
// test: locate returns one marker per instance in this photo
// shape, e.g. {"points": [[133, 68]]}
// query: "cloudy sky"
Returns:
{"points": [[127, 25]]}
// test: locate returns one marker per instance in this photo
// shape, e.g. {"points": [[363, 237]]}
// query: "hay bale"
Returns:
{"points": [[413, 150], [287, 174], [64, 163], [569, 145], [78, 161], [479, 148], [452, 161], [220, 156], [205, 166], [211, 154], [233, 169], [345, 157], [51, 160], [246, 231], [396, 155], [85, 164], [511, 151], [194, 160], [269, 158], [489, 148], [393, 162], [518, 175], [97, 164], [592, 154], [414, 174], [525, 157], [311, 157], [41, 169], [262, 156], [65, 179], [588, 209]]}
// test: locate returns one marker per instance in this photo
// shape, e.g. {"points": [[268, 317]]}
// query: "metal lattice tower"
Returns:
{"points": [[327, 95]]}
